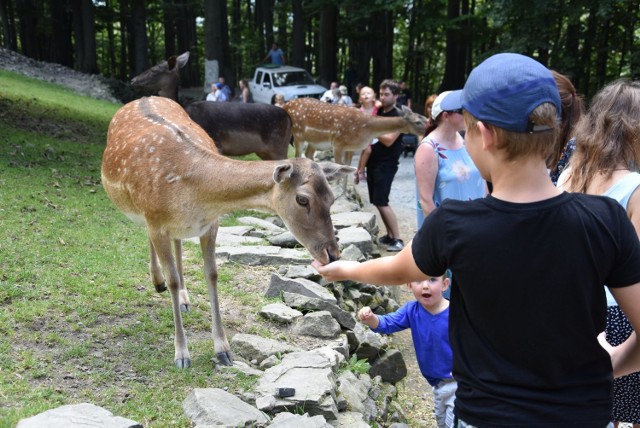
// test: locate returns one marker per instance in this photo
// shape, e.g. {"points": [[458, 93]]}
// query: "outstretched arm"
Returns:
{"points": [[392, 270]]}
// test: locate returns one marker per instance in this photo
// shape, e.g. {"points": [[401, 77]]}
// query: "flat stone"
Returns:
{"points": [[214, 406], [77, 416]]}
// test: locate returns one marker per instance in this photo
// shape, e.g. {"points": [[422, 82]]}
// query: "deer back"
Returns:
{"points": [[239, 129]]}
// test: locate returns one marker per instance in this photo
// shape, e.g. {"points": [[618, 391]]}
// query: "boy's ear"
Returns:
{"points": [[488, 136], [446, 283]]}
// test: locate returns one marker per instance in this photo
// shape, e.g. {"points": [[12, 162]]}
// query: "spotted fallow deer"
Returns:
{"points": [[162, 78], [344, 129], [164, 172]]}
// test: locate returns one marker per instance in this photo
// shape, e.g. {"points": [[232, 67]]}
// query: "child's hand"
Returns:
{"points": [[367, 317], [365, 314]]}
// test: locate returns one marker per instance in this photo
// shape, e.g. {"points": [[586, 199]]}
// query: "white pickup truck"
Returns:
{"points": [[292, 82]]}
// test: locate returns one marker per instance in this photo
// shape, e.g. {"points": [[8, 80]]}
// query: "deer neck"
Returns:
{"points": [[238, 184], [378, 125]]}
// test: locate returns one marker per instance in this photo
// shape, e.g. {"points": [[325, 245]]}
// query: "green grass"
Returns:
{"points": [[79, 318]]}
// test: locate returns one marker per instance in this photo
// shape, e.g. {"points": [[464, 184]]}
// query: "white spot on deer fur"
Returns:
{"points": [[152, 149]]}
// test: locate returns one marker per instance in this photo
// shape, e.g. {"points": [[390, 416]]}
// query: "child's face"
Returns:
{"points": [[429, 292], [367, 95]]}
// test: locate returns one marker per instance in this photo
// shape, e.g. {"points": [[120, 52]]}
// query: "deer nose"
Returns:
{"points": [[332, 257]]}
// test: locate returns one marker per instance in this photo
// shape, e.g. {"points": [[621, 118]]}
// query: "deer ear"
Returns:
{"points": [[334, 171], [171, 62], [282, 172], [183, 59]]}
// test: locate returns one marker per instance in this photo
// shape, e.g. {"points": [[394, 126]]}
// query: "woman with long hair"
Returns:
{"points": [[605, 162]]}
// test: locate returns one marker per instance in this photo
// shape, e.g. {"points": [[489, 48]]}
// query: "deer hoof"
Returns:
{"points": [[160, 287], [183, 363], [184, 307], [224, 358]]}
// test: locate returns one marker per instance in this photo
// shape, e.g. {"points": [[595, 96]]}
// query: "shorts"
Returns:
{"points": [[379, 179]]}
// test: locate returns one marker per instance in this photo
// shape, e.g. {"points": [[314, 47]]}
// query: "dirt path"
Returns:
{"points": [[415, 393]]}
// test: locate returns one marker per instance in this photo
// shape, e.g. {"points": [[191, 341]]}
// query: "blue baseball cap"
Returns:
{"points": [[219, 85], [505, 88]]}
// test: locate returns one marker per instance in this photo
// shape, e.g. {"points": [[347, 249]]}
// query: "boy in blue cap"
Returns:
{"points": [[529, 262]]}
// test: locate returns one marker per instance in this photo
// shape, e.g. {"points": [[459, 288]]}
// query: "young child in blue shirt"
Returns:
{"points": [[428, 319]]}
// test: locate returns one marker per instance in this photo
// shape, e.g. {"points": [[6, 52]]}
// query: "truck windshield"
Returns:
{"points": [[288, 78]]}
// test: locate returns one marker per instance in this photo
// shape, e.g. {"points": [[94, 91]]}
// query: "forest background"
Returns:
{"points": [[431, 44]]}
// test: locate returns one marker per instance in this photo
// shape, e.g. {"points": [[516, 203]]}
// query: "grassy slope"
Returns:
{"points": [[79, 318]]}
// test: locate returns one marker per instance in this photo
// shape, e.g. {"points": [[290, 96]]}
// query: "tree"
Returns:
{"points": [[84, 36], [216, 41], [139, 41]]}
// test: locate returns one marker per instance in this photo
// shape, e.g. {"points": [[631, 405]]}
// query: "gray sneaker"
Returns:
{"points": [[396, 245]]}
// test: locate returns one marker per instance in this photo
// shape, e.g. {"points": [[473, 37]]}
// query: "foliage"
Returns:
{"points": [[593, 41], [357, 366]]}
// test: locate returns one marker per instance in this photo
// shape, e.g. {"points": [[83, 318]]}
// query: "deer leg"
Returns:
{"points": [[183, 294], [156, 271], [220, 343], [162, 245], [298, 146], [309, 151]]}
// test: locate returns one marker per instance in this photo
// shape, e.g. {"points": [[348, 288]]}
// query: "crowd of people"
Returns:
{"points": [[544, 279]]}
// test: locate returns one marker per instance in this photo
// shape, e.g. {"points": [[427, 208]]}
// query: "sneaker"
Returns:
{"points": [[385, 240], [396, 245]]}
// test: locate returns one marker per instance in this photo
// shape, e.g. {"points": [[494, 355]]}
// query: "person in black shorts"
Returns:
{"points": [[383, 165]]}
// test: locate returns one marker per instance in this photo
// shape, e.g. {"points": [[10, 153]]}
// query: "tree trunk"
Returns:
{"points": [[602, 53], [382, 47], [187, 41], [61, 48], [455, 52], [84, 36], [28, 27], [139, 36], [8, 26], [169, 24], [328, 44], [297, 51]]}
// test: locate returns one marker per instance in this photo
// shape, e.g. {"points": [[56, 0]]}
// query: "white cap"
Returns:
{"points": [[436, 109]]}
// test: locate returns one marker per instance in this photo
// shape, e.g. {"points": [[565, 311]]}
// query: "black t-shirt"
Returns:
{"points": [[527, 303], [381, 154]]}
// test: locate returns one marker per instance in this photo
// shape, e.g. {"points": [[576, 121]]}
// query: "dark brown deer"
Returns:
{"points": [[326, 126], [239, 129], [164, 172], [162, 78]]}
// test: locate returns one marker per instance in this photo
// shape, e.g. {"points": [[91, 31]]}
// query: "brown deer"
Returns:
{"points": [[164, 172], [163, 78], [344, 129], [240, 129]]}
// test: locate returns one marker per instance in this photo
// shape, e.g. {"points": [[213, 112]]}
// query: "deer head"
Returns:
{"points": [[163, 78]]}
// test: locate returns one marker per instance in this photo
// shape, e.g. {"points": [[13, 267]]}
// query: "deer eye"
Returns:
{"points": [[302, 200]]}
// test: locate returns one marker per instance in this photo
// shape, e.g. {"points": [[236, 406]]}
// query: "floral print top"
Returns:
{"points": [[458, 178]]}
